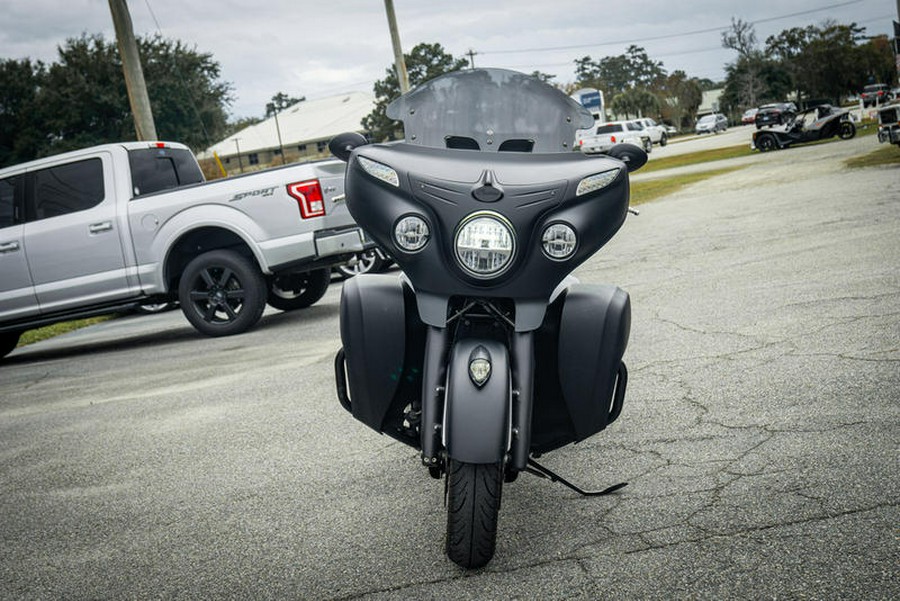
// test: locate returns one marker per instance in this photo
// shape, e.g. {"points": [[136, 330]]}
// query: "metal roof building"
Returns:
{"points": [[305, 129]]}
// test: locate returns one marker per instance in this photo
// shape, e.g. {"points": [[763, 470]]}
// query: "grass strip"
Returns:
{"points": [[886, 154], [32, 336], [648, 190]]}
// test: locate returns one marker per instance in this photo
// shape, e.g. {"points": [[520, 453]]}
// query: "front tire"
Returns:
{"points": [[222, 293], [766, 142], [664, 140], [473, 505], [847, 130], [299, 290], [8, 342]]}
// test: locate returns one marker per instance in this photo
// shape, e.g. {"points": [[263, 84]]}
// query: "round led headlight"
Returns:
{"points": [[411, 233], [559, 241], [485, 244]]}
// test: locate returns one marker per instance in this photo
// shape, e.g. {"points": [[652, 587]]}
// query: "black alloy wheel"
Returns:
{"points": [[369, 261], [222, 293], [766, 142], [847, 130], [298, 290], [663, 140], [473, 505], [8, 342]]}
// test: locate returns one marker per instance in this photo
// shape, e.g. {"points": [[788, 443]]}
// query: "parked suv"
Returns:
{"points": [[877, 93], [777, 113], [657, 133]]}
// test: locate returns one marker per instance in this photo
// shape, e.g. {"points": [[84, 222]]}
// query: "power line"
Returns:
{"points": [[667, 36]]}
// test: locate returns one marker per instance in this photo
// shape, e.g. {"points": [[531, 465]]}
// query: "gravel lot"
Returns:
{"points": [[759, 436]]}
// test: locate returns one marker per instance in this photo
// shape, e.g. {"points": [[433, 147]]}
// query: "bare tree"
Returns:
{"points": [[741, 37]]}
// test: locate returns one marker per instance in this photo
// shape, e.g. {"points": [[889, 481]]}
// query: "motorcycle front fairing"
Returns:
{"points": [[498, 143]]}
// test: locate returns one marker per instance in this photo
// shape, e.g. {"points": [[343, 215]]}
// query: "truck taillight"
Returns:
{"points": [[309, 198], [612, 139]]}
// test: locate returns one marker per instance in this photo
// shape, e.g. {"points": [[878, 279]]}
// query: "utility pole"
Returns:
{"points": [[134, 75], [399, 62], [471, 54], [240, 162], [274, 110]]}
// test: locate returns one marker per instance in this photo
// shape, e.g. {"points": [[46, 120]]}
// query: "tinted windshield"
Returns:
{"points": [[490, 110], [707, 119], [608, 129]]}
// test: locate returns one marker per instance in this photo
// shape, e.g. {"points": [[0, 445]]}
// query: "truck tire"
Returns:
{"points": [[222, 293], [473, 504], [298, 290], [8, 342], [663, 140]]}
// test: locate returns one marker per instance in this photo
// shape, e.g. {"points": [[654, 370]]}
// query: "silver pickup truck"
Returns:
{"points": [[105, 229]]}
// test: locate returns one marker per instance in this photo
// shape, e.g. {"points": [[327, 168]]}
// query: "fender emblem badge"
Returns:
{"points": [[479, 366]]}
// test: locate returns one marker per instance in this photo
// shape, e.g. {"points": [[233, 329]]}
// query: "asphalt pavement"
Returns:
{"points": [[759, 437]]}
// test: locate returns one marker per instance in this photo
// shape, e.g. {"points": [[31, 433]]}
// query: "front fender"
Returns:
{"points": [[476, 427]]}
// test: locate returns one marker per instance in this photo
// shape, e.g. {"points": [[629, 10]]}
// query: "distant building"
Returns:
{"points": [[710, 102], [305, 127]]}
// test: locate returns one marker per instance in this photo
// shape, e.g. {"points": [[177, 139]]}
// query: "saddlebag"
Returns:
{"points": [[379, 369], [580, 378]]}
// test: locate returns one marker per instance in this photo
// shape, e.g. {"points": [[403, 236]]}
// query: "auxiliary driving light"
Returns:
{"points": [[559, 241], [485, 244], [411, 233]]}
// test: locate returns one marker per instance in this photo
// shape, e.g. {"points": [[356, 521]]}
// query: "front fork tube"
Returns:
{"points": [[434, 373], [433, 394]]}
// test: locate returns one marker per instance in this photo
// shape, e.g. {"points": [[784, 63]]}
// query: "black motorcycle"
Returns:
{"points": [[484, 353], [817, 123]]}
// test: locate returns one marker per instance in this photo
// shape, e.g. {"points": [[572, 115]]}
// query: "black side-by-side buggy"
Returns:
{"points": [[817, 123]]}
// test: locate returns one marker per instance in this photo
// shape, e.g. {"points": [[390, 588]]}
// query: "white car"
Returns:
{"points": [[658, 133], [602, 137]]}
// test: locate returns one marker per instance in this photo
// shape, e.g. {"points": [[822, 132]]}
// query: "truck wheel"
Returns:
{"points": [[222, 293], [298, 290], [8, 342], [364, 262], [847, 131], [663, 140], [473, 504]]}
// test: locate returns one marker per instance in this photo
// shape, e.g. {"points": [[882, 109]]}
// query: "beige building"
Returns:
{"points": [[305, 129]]}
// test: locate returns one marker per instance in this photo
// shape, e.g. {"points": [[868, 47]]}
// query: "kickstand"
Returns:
{"points": [[539, 470]]}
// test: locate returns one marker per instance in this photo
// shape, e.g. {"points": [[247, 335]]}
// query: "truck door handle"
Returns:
{"points": [[96, 228], [9, 247]]}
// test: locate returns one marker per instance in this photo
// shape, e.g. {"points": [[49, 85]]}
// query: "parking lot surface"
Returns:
{"points": [[759, 437]]}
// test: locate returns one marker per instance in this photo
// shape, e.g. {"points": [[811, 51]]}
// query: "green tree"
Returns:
{"points": [[80, 100], [281, 101], [636, 102], [683, 96], [617, 74], [20, 114], [424, 62]]}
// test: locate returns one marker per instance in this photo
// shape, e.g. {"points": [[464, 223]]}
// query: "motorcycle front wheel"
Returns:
{"points": [[473, 504], [847, 131]]}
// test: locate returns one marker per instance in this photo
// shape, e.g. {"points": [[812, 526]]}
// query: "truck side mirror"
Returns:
{"points": [[633, 156], [343, 144]]}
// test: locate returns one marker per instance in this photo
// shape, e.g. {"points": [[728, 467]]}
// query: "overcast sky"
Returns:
{"points": [[317, 48]]}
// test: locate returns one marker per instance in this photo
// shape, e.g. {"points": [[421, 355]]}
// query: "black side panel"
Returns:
{"points": [[593, 334], [376, 336], [582, 340]]}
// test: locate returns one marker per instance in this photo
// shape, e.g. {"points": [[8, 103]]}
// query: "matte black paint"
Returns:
{"points": [[477, 420]]}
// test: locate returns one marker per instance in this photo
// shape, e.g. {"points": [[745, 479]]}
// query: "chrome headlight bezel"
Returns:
{"points": [[574, 242], [510, 232], [426, 235]]}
